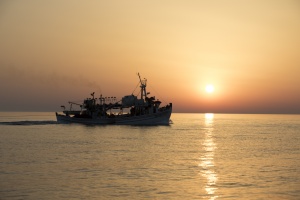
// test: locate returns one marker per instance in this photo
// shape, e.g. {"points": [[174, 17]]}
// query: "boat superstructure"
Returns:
{"points": [[130, 110]]}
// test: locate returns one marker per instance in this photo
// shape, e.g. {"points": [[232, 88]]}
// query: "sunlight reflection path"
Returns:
{"points": [[207, 159]]}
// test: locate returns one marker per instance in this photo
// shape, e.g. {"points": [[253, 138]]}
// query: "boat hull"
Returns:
{"points": [[88, 121], [159, 118]]}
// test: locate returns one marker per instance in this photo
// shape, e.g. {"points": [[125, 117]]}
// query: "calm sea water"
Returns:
{"points": [[200, 156]]}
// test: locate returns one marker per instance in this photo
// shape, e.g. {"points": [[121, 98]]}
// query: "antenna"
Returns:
{"points": [[139, 77], [143, 87]]}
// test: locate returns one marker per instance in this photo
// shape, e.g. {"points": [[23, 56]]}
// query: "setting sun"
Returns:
{"points": [[209, 88]]}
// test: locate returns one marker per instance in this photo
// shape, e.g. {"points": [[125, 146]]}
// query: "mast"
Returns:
{"points": [[143, 87]]}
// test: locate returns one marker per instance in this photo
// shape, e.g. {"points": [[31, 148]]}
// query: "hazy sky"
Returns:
{"points": [[60, 50]]}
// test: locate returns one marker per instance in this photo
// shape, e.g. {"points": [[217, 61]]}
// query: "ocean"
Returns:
{"points": [[199, 156]]}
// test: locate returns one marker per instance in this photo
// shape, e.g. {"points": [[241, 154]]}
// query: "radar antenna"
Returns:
{"points": [[143, 87]]}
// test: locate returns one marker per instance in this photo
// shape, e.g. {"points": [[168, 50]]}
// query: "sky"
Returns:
{"points": [[55, 51]]}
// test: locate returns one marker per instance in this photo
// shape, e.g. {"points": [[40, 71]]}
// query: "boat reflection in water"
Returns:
{"points": [[207, 158]]}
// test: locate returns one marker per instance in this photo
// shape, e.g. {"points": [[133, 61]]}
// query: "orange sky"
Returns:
{"points": [[55, 51]]}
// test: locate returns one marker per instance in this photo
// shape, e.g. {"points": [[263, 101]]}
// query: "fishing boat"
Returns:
{"points": [[130, 110]]}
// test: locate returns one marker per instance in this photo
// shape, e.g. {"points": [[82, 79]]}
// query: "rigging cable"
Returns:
{"points": [[158, 95], [136, 87]]}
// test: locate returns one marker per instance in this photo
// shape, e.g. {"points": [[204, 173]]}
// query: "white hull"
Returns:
{"points": [[159, 118], [88, 121]]}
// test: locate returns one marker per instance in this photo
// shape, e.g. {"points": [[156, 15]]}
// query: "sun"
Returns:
{"points": [[209, 88]]}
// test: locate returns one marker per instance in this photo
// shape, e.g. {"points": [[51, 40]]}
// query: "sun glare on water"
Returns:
{"points": [[209, 88]]}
